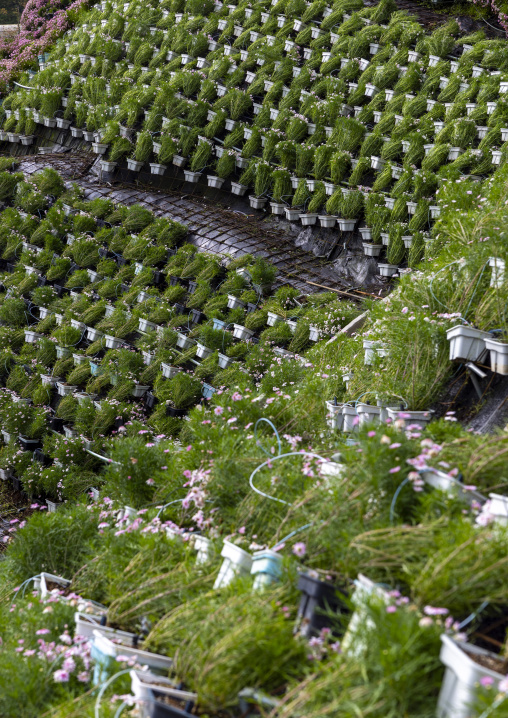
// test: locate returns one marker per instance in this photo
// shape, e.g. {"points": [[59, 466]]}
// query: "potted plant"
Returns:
{"points": [[184, 390], [199, 161], [142, 152], [351, 209], [262, 185], [266, 568]]}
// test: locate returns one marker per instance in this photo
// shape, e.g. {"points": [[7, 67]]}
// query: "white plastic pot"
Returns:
{"points": [[113, 342], [273, 319], [224, 361], [421, 418], [234, 302], [62, 352], [179, 161], [238, 189], [377, 163], [214, 181], [108, 166], [192, 176], [237, 562], [257, 202], [462, 677], [498, 272], [105, 653], [146, 326], [372, 349], [327, 221], [368, 413], [346, 225], [242, 333], [65, 389], [32, 337], [372, 250], [139, 390], [93, 334], [48, 380], [308, 219], [334, 415], [169, 371], [99, 148], [388, 270], [202, 352], [466, 343], [496, 157], [144, 683], [157, 169], [350, 418], [314, 334], [134, 165], [498, 355], [277, 208], [184, 342], [292, 215]]}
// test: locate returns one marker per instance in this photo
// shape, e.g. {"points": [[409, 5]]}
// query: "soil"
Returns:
{"points": [[493, 663], [168, 701]]}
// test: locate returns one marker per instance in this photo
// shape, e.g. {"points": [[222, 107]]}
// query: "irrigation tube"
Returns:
{"points": [[258, 443], [275, 458], [103, 688]]}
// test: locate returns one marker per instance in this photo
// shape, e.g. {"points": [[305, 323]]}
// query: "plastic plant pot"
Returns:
{"points": [[56, 424], [466, 343], [314, 334], [32, 337], [108, 166], [308, 219], [277, 208], [292, 215], [214, 181], [5, 474], [238, 189], [29, 444], [317, 598], [202, 546], [242, 333], [368, 414], [69, 432], [462, 677], [202, 352], [498, 356], [208, 391], [87, 623], [237, 562], [27, 140], [372, 250], [234, 302], [93, 334], [351, 419], [44, 581], [334, 416], [346, 225], [139, 390], [134, 165], [327, 221], [112, 342], [192, 176], [273, 319], [172, 411], [149, 400], [196, 316], [257, 202], [157, 169], [145, 684], [224, 361], [105, 651], [179, 161], [146, 326], [419, 418], [169, 371], [62, 352], [388, 270], [266, 568], [148, 357]]}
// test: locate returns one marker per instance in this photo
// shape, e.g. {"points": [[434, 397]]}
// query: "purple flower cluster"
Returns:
{"points": [[42, 22]]}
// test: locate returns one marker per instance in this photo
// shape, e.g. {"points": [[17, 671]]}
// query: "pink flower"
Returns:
{"points": [[299, 549], [486, 681], [61, 676], [241, 530], [394, 470], [42, 632], [435, 611], [391, 609]]}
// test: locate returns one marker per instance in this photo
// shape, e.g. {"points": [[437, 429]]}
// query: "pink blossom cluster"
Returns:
{"points": [[42, 22]]}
